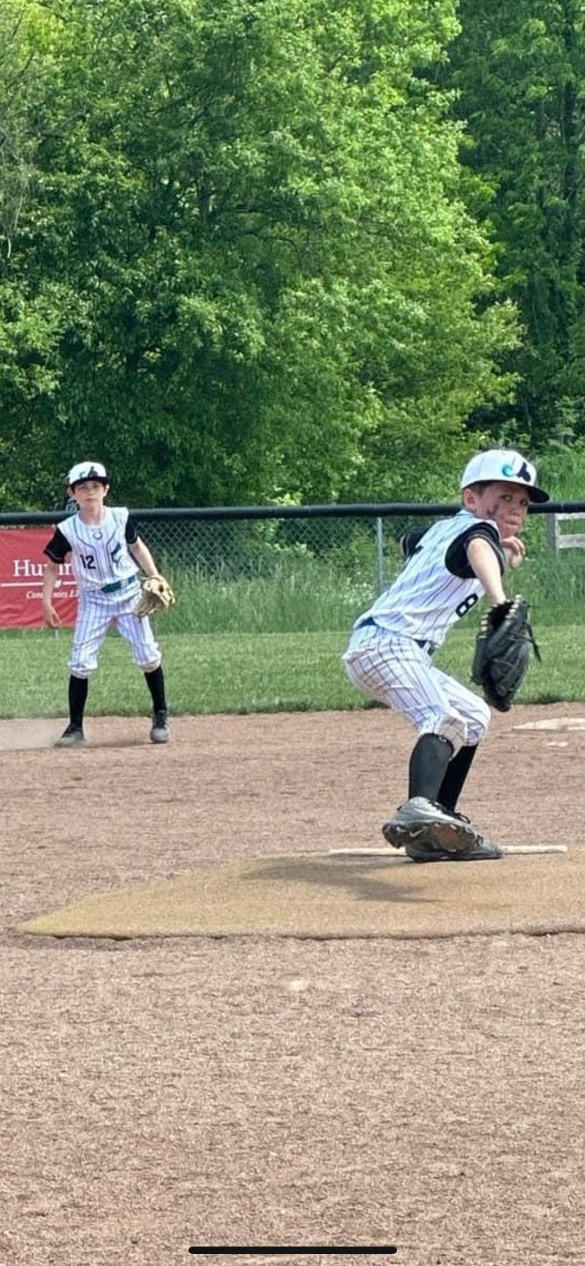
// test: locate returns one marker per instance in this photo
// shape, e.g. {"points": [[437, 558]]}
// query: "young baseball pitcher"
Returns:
{"points": [[107, 555], [448, 568]]}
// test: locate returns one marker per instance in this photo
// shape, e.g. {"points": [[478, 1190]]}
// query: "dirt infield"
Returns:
{"points": [[162, 1094]]}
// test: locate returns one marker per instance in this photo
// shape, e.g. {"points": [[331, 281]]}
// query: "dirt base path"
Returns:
{"points": [[161, 1094]]}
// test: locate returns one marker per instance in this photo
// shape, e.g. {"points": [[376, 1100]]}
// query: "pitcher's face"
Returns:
{"points": [[506, 503]]}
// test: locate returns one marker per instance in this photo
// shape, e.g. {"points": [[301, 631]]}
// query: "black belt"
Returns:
{"points": [[426, 646]]}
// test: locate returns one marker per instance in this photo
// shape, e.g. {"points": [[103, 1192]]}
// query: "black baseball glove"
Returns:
{"points": [[502, 652]]}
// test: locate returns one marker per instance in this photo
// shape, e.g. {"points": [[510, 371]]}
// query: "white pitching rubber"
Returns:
{"points": [[510, 849]]}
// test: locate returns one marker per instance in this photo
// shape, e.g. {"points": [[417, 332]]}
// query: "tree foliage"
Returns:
{"points": [[520, 73], [244, 270]]}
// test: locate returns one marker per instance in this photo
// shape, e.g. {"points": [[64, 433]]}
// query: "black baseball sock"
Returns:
{"points": [[78, 687], [457, 771], [156, 684], [428, 764]]}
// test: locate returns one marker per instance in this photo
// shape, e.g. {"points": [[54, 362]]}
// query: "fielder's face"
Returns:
{"points": [[91, 492], [505, 503]]}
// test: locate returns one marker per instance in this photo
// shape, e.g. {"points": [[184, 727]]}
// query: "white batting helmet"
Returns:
{"points": [[83, 471]]}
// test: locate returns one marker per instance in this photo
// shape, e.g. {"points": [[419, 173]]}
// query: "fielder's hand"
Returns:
{"points": [[51, 616]]}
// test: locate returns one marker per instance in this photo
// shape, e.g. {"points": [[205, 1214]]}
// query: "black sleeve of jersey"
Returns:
{"points": [[410, 542], [132, 532], [58, 547], [456, 560]]}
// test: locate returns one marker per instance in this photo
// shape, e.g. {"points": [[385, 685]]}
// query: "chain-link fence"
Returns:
{"points": [[277, 573], [272, 569]]}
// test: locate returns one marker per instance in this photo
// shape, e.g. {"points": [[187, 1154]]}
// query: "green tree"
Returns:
{"points": [[15, 140], [245, 270], [520, 73]]}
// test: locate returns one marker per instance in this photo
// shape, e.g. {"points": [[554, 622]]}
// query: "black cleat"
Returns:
{"points": [[422, 820], [159, 731], [479, 851], [73, 736]]}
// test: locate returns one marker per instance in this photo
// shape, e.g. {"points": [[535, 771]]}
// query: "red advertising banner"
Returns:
{"points": [[21, 580]]}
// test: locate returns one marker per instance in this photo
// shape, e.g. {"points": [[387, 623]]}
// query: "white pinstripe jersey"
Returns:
{"points": [[436, 586], [99, 552]]}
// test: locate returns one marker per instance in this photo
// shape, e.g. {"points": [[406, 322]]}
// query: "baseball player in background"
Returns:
{"points": [[106, 557], [448, 568]]}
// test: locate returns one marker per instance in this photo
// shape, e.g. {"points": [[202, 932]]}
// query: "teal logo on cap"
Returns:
{"points": [[524, 472]]}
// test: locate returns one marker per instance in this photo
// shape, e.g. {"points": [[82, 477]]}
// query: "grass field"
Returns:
{"points": [[231, 672]]}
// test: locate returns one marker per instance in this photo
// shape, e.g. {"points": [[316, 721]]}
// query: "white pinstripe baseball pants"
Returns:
{"points": [[95, 612], [399, 673]]}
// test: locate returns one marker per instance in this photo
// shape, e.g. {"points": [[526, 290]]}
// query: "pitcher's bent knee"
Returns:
{"points": [[463, 731]]}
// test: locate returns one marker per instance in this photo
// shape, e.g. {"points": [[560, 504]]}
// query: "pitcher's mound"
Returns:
{"points": [[318, 896]]}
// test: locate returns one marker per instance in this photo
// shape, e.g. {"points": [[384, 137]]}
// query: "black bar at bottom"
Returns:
{"points": [[307, 1248]]}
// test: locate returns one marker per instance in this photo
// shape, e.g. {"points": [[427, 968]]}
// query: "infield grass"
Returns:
{"points": [[229, 672]]}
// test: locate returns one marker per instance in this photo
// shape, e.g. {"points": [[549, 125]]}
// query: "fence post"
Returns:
{"points": [[380, 554], [551, 531]]}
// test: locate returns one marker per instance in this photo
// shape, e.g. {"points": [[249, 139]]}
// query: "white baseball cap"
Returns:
{"points": [[87, 470], [503, 465]]}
